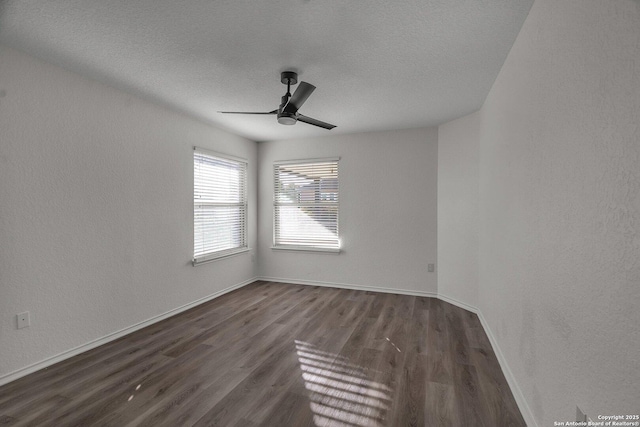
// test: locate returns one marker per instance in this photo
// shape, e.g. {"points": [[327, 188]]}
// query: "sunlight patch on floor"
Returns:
{"points": [[341, 394]]}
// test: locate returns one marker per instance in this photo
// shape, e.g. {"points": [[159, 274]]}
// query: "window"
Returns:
{"points": [[306, 205], [219, 206]]}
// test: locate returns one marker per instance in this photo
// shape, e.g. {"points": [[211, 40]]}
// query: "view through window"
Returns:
{"points": [[306, 205]]}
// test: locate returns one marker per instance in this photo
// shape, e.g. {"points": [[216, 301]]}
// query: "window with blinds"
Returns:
{"points": [[219, 206], [306, 205]]}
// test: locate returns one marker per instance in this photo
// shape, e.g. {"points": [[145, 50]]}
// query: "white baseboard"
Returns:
{"points": [[513, 385], [515, 389], [350, 286], [458, 303], [12, 376]]}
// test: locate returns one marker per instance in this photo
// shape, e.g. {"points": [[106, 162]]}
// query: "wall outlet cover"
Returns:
{"points": [[23, 320]]}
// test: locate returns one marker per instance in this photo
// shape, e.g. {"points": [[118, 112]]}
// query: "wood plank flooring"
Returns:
{"points": [[273, 354]]}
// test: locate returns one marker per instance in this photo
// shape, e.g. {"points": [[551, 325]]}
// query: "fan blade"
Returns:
{"points": [[314, 122], [299, 97], [246, 112]]}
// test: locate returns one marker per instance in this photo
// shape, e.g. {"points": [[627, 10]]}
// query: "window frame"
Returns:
{"points": [[306, 248], [222, 253]]}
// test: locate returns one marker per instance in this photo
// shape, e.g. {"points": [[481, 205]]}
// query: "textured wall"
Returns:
{"points": [[96, 210], [458, 209], [387, 210], [559, 208]]}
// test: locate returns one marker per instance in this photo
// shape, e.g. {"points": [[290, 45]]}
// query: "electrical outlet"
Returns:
{"points": [[23, 320], [431, 268]]}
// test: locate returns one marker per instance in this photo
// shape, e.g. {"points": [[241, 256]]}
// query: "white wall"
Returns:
{"points": [[539, 193], [458, 158], [96, 210], [388, 184], [559, 208]]}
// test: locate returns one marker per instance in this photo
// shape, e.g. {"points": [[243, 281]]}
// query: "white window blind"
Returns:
{"points": [[306, 205], [219, 206]]}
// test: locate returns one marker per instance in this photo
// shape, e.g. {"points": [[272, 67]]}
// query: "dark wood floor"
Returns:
{"points": [[273, 354]]}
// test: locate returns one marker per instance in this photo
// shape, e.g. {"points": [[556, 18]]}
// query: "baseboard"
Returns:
{"points": [[458, 303], [12, 376], [513, 385], [350, 286]]}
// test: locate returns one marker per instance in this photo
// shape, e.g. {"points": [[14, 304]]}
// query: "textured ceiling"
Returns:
{"points": [[377, 64]]}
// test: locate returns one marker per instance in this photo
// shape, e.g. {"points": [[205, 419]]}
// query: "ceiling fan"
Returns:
{"points": [[287, 112]]}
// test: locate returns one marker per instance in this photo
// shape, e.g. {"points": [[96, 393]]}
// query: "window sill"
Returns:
{"points": [[214, 257], [306, 249]]}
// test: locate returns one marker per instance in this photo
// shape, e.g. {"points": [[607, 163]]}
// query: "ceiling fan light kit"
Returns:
{"points": [[287, 120], [287, 112]]}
